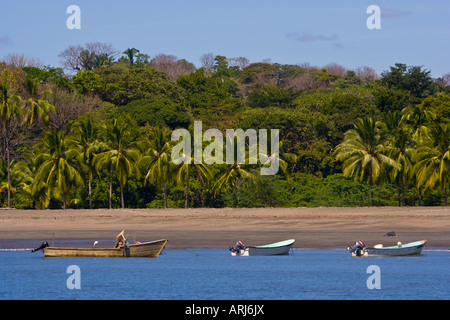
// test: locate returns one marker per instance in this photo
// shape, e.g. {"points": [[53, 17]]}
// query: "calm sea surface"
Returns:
{"points": [[212, 274]]}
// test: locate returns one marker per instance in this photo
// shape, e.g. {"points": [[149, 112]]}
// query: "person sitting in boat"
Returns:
{"points": [[120, 240]]}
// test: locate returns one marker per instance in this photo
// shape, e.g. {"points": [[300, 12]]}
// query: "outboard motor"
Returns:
{"points": [[43, 245], [237, 246], [357, 248]]}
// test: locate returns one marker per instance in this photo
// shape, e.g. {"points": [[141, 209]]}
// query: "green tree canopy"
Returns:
{"points": [[409, 78], [158, 111], [120, 84]]}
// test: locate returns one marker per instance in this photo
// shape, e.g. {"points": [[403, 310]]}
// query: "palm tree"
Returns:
{"points": [[37, 109], [231, 176], [200, 170], [86, 59], [118, 156], [362, 152], [35, 188], [19, 176], [130, 53], [433, 159], [10, 110], [103, 60], [188, 167], [232, 173], [22, 178], [401, 149], [157, 158], [283, 158], [418, 116], [57, 154], [89, 145]]}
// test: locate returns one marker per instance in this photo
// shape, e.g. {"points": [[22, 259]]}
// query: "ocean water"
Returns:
{"points": [[212, 274]]}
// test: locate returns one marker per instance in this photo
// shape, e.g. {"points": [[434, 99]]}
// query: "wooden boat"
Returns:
{"points": [[273, 249], [150, 249], [412, 248], [122, 249]]}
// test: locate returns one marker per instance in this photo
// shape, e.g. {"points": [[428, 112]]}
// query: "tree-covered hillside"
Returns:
{"points": [[98, 133]]}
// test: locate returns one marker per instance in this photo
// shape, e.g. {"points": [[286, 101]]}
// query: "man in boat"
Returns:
{"points": [[120, 240]]}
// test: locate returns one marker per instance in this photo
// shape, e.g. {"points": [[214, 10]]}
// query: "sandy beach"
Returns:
{"points": [[317, 228]]}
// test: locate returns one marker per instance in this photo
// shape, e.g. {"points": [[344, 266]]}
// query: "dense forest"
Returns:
{"points": [[96, 132]]}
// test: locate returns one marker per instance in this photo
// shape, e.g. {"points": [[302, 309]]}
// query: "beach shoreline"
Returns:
{"points": [[312, 228]]}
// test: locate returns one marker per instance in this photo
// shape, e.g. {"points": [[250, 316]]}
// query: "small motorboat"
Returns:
{"points": [[273, 249], [412, 248]]}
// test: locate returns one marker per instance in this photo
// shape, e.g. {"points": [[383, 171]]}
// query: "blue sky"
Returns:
{"points": [[286, 31]]}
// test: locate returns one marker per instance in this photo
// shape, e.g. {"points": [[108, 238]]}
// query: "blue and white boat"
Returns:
{"points": [[412, 248], [273, 249]]}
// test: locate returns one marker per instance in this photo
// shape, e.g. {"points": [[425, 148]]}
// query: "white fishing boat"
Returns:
{"points": [[273, 249], [412, 248]]}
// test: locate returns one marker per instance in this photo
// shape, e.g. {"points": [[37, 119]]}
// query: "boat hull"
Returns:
{"points": [[150, 249], [413, 248], [275, 249]]}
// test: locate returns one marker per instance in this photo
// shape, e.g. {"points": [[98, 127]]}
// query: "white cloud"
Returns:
{"points": [[5, 40], [308, 37], [394, 13]]}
